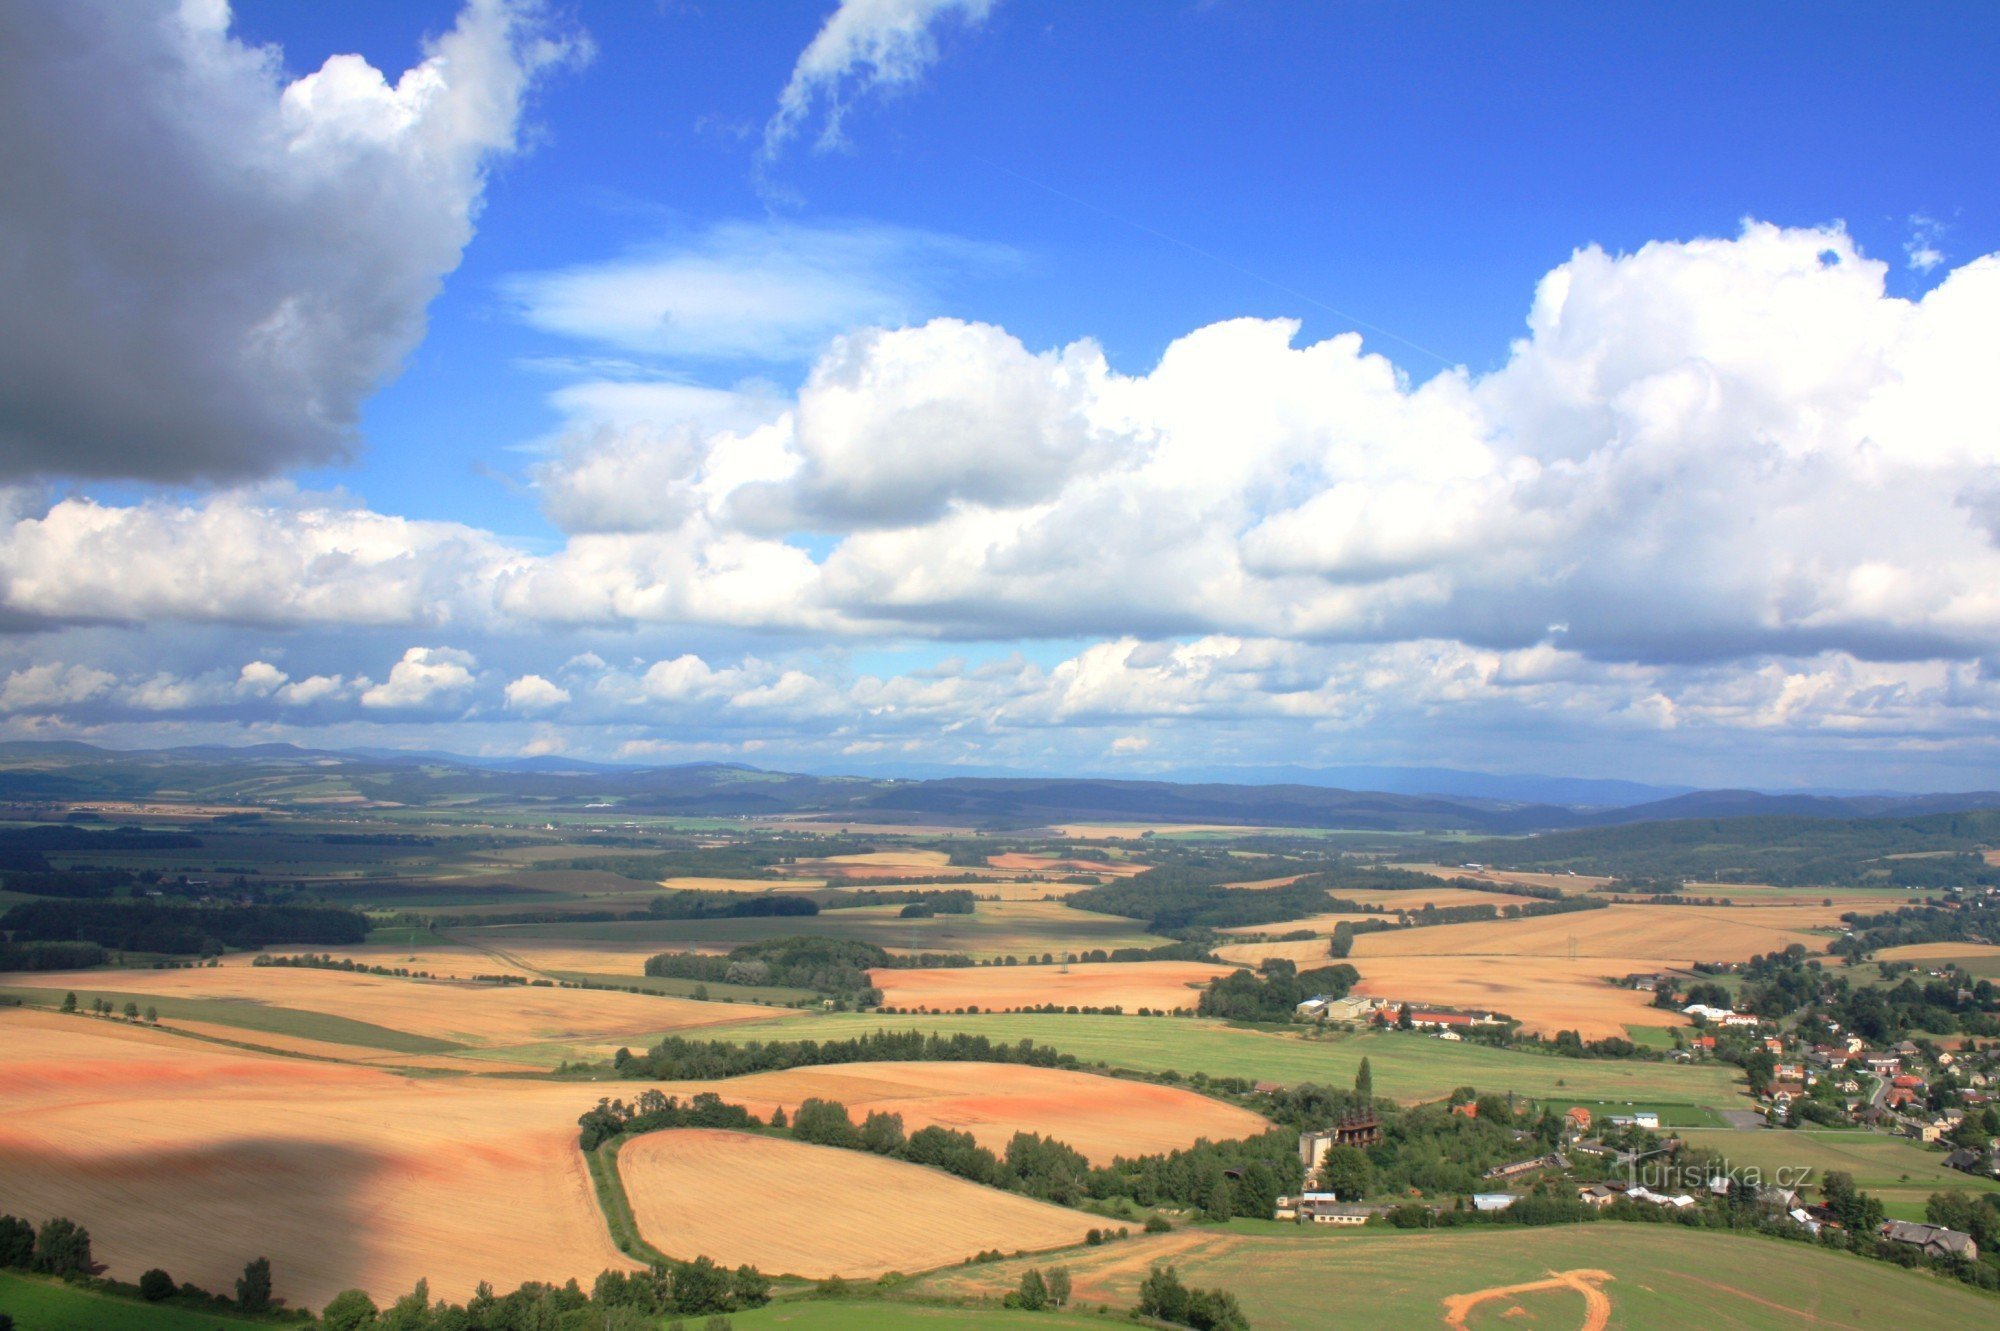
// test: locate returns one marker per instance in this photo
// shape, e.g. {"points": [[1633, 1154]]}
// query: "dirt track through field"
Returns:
{"points": [[1585, 1281]]}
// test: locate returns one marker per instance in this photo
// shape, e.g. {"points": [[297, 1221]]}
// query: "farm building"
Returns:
{"points": [[1933, 1240], [1643, 1118], [1323, 1208], [1493, 1201]]}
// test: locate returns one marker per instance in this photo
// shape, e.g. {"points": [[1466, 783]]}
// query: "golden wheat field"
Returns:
{"points": [[1161, 985], [188, 1157], [1417, 899], [1678, 934], [475, 1015], [1017, 862], [1305, 953], [1102, 1117], [793, 1209], [1323, 925], [1547, 994]]}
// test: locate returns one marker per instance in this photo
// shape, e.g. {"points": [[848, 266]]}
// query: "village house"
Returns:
{"points": [[1577, 1120], [1932, 1240], [1553, 1160], [1361, 1128]]}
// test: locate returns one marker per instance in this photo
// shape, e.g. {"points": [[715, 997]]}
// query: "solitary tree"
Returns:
{"points": [[1033, 1293], [131, 1009], [1364, 1080], [253, 1287], [1058, 1283], [153, 1015], [69, 1002], [156, 1285]]}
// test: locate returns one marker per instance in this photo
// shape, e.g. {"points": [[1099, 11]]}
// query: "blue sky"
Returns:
{"points": [[1417, 166], [709, 435]]}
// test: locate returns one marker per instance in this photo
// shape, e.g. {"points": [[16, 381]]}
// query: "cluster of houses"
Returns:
{"points": [[1441, 1022]]}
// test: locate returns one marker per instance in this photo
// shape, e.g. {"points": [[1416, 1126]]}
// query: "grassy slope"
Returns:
{"points": [[1664, 1279], [252, 1016], [1894, 1168], [811, 1315], [1406, 1067], [48, 1305]]}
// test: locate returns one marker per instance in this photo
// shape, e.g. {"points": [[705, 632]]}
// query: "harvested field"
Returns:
{"points": [[1572, 884], [1102, 1117], [195, 1158], [879, 864], [1161, 985], [1305, 953], [1319, 924], [1550, 970], [463, 1014], [1980, 959], [1547, 994], [1133, 831], [1678, 935], [1417, 899], [1020, 929], [1017, 862], [789, 1208], [741, 884]]}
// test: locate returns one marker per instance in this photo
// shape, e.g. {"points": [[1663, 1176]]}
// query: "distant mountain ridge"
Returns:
{"points": [[32, 770]]}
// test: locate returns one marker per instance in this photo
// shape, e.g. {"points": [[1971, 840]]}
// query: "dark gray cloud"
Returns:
{"points": [[205, 270]]}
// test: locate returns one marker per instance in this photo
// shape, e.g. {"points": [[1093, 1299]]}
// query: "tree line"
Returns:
{"points": [[178, 928], [678, 1058]]}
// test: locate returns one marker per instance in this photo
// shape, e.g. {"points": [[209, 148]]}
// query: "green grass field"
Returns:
{"points": [[247, 1015], [1406, 1067], [38, 1304], [813, 1315], [1900, 1172], [1663, 1278]]}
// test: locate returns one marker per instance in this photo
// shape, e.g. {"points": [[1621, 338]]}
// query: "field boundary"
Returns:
{"points": [[615, 1206]]}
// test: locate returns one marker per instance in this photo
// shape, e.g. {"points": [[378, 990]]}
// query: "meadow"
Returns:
{"points": [[1896, 1169], [38, 1303], [1405, 1066], [1660, 1278]]}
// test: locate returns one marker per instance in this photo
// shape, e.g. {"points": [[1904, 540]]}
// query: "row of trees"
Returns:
{"points": [[678, 1058], [175, 927], [618, 1301], [1163, 1296], [60, 1247]]}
